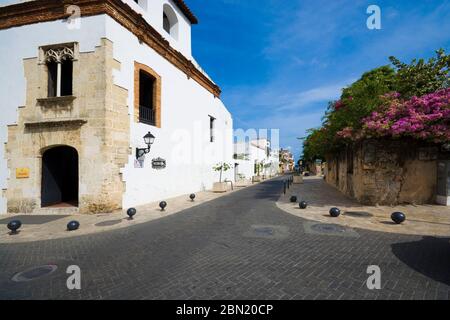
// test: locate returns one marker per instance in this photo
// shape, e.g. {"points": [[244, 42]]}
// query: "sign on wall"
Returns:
{"points": [[158, 163], [22, 173], [430, 153]]}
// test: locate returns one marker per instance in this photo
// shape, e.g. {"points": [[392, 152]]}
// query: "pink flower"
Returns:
{"points": [[426, 117]]}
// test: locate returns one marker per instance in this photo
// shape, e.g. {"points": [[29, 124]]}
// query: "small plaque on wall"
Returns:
{"points": [[430, 153], [158, 163], [22, 173]]}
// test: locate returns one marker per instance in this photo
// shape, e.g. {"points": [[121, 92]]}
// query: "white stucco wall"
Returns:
{"points": [[255, 154], [183, 139], [152, 11], [23, 42]]}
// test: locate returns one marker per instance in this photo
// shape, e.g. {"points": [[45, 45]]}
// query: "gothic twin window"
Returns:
{"points": [[59, 61]]}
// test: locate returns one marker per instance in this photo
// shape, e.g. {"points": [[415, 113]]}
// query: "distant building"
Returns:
{"points": [[286, 162], [255, 158]]}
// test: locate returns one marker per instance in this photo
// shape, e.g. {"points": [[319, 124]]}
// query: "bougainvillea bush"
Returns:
{"points": [[412, 100], [426, 117]]}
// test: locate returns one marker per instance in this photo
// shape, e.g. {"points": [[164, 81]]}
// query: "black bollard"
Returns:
{"points": [[284, 186], [398, 217], [163, 205], [131, 212], [14, 225], [73, 225]]}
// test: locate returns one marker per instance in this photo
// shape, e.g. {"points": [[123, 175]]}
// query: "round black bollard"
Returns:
{"points": [[293, 199], [131, 212], [303, 204], [14, 225], [192, 196], [398, 217], [284, 186], [73, 225], [335, 212], [163, 205]]}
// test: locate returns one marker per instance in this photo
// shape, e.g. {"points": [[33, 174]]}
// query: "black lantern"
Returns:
{"points": [[14, 225], [131, 212], [149, 139], [335, 212], [398, 217], [293, 199], [163, 205], [73, 225], [192, 196], [303, 204]]}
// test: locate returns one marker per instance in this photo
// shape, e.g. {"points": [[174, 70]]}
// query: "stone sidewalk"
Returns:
{"points": [[432, 220], [53, 225]]}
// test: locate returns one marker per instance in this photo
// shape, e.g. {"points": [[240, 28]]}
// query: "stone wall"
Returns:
{"points": [[95, 121], [386, 172]]}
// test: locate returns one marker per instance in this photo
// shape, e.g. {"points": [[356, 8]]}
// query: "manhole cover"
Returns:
{"points": [[267, 232], [264, 231], [108, 223], [328, 228], [358, 214], [34, 273]]}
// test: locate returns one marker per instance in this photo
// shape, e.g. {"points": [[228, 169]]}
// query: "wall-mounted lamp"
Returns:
{"points": [[148, 139]]}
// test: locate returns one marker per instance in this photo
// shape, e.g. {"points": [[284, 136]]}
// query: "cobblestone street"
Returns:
{"points": [[240, 246]]}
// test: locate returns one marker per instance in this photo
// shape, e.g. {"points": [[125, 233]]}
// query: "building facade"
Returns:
{"points": [[82, 84], [286, 163], [255, 158]]}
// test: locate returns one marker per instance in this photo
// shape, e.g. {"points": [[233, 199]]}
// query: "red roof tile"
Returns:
{"points": [[186, 11]]}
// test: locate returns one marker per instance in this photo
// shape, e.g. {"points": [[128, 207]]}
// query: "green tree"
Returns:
{"points": [[343, 117], [420, 77], [221, 167]]}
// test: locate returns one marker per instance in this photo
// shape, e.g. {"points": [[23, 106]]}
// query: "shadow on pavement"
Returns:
{"points": [[269, 190], [429, 256]]}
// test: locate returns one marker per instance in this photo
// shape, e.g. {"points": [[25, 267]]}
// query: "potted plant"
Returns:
{"points": [[241, 180], [258, 169], [221, 186]]}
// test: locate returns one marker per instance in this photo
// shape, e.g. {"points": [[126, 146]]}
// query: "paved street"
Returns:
{"points": [[240, 246]]}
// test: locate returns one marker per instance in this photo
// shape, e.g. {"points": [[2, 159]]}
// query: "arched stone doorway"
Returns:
{"points": [[59, 186]]}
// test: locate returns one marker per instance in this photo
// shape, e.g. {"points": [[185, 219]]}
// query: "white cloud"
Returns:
{"points": [[320, 94]]}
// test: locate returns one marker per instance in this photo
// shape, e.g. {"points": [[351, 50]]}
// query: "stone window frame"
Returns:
{"points": [[42, 62], [138, 67]]}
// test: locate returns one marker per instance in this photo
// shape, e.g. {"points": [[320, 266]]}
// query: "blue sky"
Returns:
{"points": [[279, 62]]}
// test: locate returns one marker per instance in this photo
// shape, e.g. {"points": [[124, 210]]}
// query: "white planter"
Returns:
{"points": [[257, 179], [220, 187], [298, 179]]}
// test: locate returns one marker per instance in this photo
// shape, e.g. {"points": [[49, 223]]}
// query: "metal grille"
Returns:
{"points": [[147, 115]]}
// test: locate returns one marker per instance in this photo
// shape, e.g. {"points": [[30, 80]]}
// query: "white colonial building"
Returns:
{"points": [[255, 158], [82, 82]]}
